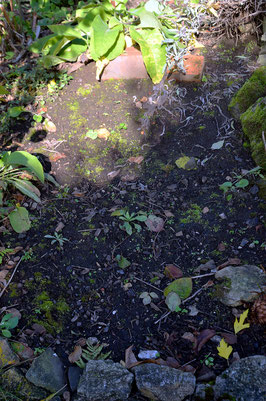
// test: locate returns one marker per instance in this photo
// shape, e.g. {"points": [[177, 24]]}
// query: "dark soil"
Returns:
{"points": [[80, 291]]}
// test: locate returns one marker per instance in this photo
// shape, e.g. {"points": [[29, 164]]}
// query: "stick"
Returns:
{"points": [[144, 282], [12, 275]]}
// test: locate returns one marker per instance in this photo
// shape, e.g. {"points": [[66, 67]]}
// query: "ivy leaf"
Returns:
{"points": [[239, 324], [224, 350]]}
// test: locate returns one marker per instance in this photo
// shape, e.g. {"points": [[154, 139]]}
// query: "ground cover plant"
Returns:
{"points": [[125, 252]]}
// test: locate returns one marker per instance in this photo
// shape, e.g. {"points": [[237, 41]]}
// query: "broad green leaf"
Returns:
{"points": [[65, 30], [15, 111], [12, 322], [226, 186], [55, 49], [50, 61], [173, 301], [102, 38], [141, 217], [123, 263], [181, 286], [117, 213], [50, 178], [38, 45], [23, 158], [27, 188], [73, 50], [153, 52], [93, 135], [117, 48], [148, 20], [127, 227], [19, 219], [6, 333], [3, 90], [242, 183]]}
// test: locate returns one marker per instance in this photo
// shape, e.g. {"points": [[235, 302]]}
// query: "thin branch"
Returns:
{"points": [[12, 275]]}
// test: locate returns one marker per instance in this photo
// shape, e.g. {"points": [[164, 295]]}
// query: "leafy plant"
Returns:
{"points": [[208, 360], [17, 169], [7, 323], [102, 31], [92, 352], [57, 237], [129, 220], [123, 263], [147, 297]]}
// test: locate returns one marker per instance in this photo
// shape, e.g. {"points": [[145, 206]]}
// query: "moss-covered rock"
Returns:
{"points": [[253, 89], [254, 123]]}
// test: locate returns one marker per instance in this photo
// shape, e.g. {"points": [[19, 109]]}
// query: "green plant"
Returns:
{"points": [[240, 182], [7, 323], [102, 30], [38, 350], [129, 220], [28, 255], [57, 237], [3, 253], [208, 360], [92, 352]]}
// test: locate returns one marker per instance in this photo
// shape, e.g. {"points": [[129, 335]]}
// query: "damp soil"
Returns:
{"points": [[79, 290]]}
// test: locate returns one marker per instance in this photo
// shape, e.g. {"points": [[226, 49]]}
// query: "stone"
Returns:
{"points": [[47, 371], [129, 65], [162, 383], [7, 356], [194, 66], [104, 381], [240, 284], [203, 390], [244, 380], [253, 89], [254, 123], [14, 381]]}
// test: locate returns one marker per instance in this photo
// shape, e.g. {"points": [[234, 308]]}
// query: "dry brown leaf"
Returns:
{"points": [[171, 271], [3, 274], [103, 133], [136, 159], [203, 337], [229, 338], [221, 247], [57, 156], [229, 262], [130, 359], [75, 355], [188, 368], [154, 223], [168, 213], [81, 341], [189, 336]]}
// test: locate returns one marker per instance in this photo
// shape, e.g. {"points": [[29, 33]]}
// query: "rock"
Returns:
{"points": [[240, 283], [7, 356], [254, 123], [74, 373], [203, 392], [163, 383], [148, 354], [47, 371], [104, 381], [14, 381], [253, 89], [244, 380]]}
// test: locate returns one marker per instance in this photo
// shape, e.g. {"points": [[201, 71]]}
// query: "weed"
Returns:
{"points": [[92, 352], [57, 238], [3, 253], [208, 360], [7, 323], [129, 220]]}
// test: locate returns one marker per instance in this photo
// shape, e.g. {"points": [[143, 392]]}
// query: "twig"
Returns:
{"points": [[193, 296], [12, 275], [145, 282], [203, 275]]}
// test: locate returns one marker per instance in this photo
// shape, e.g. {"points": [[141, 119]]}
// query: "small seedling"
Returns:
{"points": [[7, 323], [240, 182], [208, 360], [129, 220], [147, 297], [57, 238]]}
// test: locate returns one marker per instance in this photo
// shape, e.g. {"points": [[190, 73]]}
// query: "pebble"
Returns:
{"points": [[148, 354], [243, 242]]}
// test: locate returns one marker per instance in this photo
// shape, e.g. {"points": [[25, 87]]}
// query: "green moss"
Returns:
{"points": [[84, 91], [182, 162], [192, 215], [13, 291], [254, 123], [253, 89]]}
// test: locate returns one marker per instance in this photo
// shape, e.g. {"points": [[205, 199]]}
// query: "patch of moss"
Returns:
{"points": [[192, 215], [84, 91], [13, 291], [254, 123], [253, 89], [183, 162]]}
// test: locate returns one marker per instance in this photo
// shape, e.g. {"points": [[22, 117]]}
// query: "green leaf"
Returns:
{"points": [[242, 183], [6, 333], [102, 38], [65, 30], [15, 111], [127, 227], [37, 118], [12, 322], [38, 45], [93, 135], [27, 188], [173, 301], [117, 48], [147, 19], [226, 186], [50, 178], [19, 219], [141, 217], [50, 61], [57, 46], [3, 90], [123, 263], [154, 6], [153, 52], [73, 50], [117, 213], [181, 286], [23, 158]]}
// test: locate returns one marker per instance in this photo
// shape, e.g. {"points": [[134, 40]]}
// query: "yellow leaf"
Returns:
{"points": [[224, 350], [239, 325]]}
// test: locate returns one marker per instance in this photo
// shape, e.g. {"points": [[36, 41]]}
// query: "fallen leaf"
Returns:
{"points": [[181, 286], [224, 350], [229, 338], [154, 223], [113, 174], [168, 213], [42, 110], [229, 262], [38, 329], [144, 99], [23, 351], [130, 359], [66, 396], [3, 274], [75, 355], [188, 368], [189, 337], [172, 362], [173, 301], [221, 247], [103, 133], [217, 145], [57, 156], [239, 324], [49, 126], [171, 271], [78, 194], [203, 337], [81, 341], [136, 159]]}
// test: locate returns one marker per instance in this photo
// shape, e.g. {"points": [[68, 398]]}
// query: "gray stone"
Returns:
{"points": [[202, 390], [104, 381], [244, 380], [191, 164], [47, 371], [262, 59], [14, 381], [74, 373], [162, 383], [7, 356], [240, 284]]}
